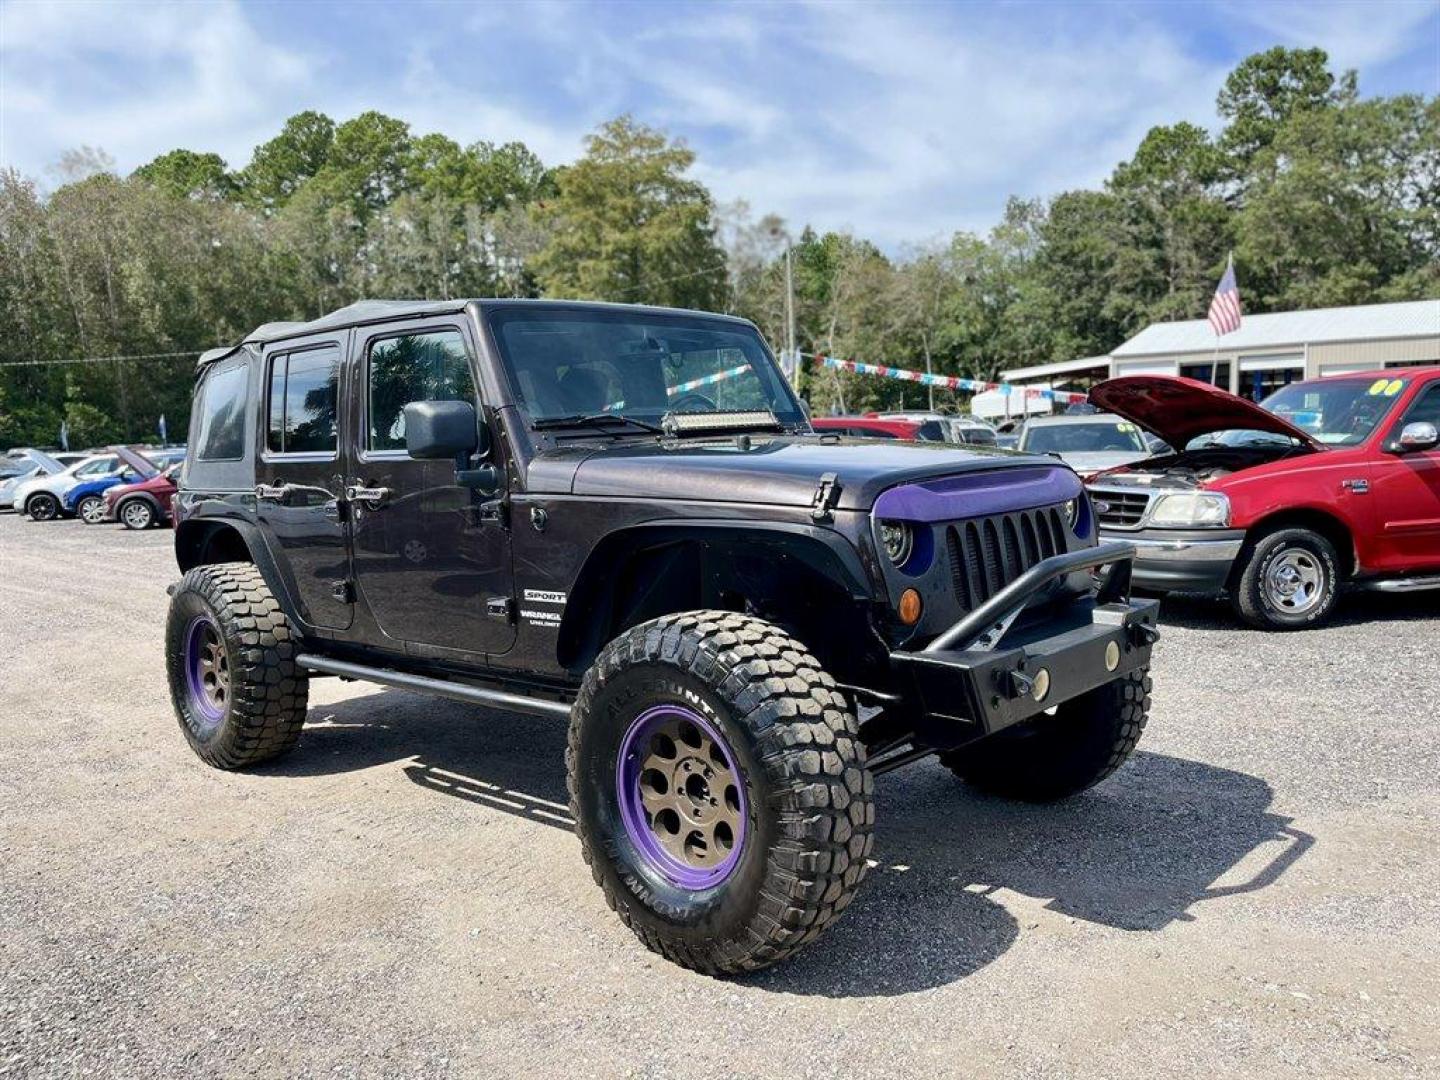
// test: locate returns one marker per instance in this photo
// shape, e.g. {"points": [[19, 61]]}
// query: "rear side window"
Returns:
{"points": [[415, 367], [302, 401], [222, 415]]}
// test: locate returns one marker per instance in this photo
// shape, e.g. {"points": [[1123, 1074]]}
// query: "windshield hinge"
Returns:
{"points": [[827, 493]]}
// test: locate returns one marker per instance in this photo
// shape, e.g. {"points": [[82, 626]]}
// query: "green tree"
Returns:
{"points": [[279, 167], [1265, 90], [629, 224], [188, 175]]}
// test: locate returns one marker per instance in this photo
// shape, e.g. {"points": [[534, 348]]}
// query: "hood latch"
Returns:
{"points": [[827, 494]]}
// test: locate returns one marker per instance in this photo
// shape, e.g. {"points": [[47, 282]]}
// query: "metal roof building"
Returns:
{"points": [[1271, 350]]}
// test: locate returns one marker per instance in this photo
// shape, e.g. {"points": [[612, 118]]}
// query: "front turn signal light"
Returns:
{"points": [[910, 607]]}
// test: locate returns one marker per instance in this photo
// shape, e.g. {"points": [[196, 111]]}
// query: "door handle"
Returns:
{"points": [[273, 492], [374, 497]]}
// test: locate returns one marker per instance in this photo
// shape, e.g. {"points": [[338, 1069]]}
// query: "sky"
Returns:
{"points": [[902, 122]]}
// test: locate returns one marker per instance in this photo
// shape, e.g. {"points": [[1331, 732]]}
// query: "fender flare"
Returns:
{"points": [[824, 550], [195, 535]]}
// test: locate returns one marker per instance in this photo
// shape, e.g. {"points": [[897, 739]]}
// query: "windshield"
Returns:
{"points": [[579, 362], [1092, 436], [1337, 412]]}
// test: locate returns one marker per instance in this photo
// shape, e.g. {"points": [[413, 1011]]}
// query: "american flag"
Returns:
{"points": [[1225, 304]]}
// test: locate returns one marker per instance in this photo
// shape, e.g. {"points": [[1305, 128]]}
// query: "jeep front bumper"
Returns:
{"points": [[993, 669]]}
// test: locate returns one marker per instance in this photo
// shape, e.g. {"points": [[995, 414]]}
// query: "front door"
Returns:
{"points": [[432, 564], [1407, 493], [299, 481]]}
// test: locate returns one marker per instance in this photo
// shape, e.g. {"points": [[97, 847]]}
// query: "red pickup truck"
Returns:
{"points": [[1277, 504]]}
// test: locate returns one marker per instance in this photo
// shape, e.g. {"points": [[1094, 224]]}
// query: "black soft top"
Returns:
{"points": [[366, 311]]}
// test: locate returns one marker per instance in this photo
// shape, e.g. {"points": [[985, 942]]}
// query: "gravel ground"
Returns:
{"points": [[1255, 893]]}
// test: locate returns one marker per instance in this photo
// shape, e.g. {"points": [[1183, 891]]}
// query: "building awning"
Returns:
{"points": [[1045, 372]]}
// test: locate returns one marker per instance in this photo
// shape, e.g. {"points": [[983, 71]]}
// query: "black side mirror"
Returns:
{"points": [[450, 429], [443, 429], [1416, 437]]}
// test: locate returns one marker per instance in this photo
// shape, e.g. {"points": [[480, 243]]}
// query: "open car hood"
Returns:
{"points": [[1179, 410], [136, 460], [48, 465]]}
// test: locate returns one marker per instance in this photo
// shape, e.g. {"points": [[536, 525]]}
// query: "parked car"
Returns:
{"points": [[1087, 443], [683, 584], [30, 464], [39, 497], [141, 505], [868, 427], [1326, 481], [929, 427], [86, 499]]}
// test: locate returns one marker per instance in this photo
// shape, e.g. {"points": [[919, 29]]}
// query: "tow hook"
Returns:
{"points": [[1142, 634]]}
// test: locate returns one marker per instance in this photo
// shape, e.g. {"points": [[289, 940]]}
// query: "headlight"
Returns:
{"points": [[1072, 513], [899, 541], [1191, 510]]}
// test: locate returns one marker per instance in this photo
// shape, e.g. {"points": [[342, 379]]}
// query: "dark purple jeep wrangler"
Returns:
{"points": [[621, 517]]}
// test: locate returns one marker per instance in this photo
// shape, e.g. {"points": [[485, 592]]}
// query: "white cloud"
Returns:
{"points": [[902, 122]]}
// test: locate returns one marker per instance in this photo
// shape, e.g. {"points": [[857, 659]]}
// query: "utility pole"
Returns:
{"points": [[790, 348]]}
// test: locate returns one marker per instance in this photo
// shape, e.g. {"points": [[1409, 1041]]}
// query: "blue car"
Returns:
{"points": [[86, 500]]}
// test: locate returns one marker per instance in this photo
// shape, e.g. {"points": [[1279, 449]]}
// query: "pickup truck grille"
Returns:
{"points": [[988, 553], [1119, 509]]}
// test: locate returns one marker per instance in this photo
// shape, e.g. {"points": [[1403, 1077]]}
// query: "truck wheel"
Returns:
{"points": [[719, 789], [1290, 581], [91, 509], [137, 514], [1058, 754], [42, 507], [230, 658]]}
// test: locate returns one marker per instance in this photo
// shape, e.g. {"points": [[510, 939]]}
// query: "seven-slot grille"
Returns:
{"points": [[988, 553], [1119, 509]]}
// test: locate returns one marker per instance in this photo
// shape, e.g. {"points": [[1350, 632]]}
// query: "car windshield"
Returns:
{"points": [[580, 362], [1092, 436], [1336, 412]]}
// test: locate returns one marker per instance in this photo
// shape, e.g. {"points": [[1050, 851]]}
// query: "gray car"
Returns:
{"points": [[1088, 444]]}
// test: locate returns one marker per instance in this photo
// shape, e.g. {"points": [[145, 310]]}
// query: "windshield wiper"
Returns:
{"points": [[595, 420]]}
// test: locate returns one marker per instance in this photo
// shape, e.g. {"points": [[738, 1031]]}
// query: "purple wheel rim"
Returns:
{"points": [[207, 674], [682, 797]]}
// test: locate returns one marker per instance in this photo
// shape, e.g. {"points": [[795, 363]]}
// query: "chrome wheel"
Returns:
{"points": [[1295, 581], [92, 510], [136, 515]]}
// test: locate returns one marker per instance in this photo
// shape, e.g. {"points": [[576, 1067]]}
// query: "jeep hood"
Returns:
{"points": [[1179, 410], [778, 470]]}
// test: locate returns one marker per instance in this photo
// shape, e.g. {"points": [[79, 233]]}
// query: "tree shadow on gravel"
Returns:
{"points": [[1137, 853], [1356, 607]]}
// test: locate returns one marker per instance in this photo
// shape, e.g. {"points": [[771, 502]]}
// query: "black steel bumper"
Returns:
{"points": [[993, 668]]}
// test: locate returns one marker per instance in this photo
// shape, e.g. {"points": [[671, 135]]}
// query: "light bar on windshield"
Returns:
{"points": [[683, 423]]}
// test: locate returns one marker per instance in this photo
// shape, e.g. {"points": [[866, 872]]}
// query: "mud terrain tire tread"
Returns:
{"points": [[806, 739], [269, 693], [1053, 757]]}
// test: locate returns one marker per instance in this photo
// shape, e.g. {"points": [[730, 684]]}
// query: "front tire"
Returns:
{"points": [[1054, 756], [91, 509], [136, 514], [230, 658], [42, 507], [733, 863], [1290, 581]]}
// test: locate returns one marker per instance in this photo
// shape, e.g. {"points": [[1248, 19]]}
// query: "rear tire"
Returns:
{"points": [[136, 514], [230, 658], [755, 715], [91, 509], [1290, 581], [42, 507], [1051, 757]]}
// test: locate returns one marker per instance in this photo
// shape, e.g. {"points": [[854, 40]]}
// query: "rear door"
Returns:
{"points": [[299, 482], [1407, 492], [432, 558]]}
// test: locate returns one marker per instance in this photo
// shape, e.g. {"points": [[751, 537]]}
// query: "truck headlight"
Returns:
{"points": [[1191, 510], [899, 541]]}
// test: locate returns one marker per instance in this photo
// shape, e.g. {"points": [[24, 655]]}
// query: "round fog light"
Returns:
{"points": [[910, 607], [1112, 656], [1042, 684]]}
